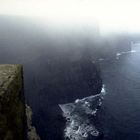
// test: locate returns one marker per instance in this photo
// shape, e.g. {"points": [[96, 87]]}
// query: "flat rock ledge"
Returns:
{"points": [[12, 107]]}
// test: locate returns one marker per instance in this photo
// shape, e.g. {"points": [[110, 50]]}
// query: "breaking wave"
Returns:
{"points": [[78, 117], [121, 53]]}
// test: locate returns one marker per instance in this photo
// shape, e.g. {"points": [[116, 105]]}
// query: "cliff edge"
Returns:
{"points": [[12, 108]]}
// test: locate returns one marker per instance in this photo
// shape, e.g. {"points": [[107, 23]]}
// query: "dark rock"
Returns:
{"points": [[12, 113]]}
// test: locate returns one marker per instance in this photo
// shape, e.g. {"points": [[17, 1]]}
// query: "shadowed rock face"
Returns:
{"points": [[72, 80], [31, 130], [12, 114], [66, 81]]}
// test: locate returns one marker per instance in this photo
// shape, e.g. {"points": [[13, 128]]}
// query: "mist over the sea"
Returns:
{"points": [[70, 52]]}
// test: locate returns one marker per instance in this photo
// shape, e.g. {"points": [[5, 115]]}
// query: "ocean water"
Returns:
{"points": [[42, 51], [121, 104]]}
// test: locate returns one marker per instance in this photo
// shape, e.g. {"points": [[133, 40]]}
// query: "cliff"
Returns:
{"points": [[12, 109]]}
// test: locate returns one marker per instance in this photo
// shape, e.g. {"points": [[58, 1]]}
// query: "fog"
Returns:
{"points": [[62, 42], [112, 15]]}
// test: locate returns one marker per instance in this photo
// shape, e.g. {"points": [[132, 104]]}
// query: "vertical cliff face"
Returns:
{"points": [[12, 109]]}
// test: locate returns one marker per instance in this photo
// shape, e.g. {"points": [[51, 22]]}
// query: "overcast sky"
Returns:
{"points": [[110, 13]]}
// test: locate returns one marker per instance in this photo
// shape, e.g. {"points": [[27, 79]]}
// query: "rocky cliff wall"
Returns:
{"points": [[12, 108]]}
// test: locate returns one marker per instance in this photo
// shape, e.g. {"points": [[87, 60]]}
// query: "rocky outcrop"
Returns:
{"points": [[12, 109], [31, 130]]}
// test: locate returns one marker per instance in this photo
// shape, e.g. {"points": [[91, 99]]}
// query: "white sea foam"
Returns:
{"points": [[101, 59], [79, 125], [121, 53]]}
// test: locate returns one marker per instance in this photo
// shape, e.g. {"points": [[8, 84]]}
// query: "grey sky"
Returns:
{"points": [[112, 14]]}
